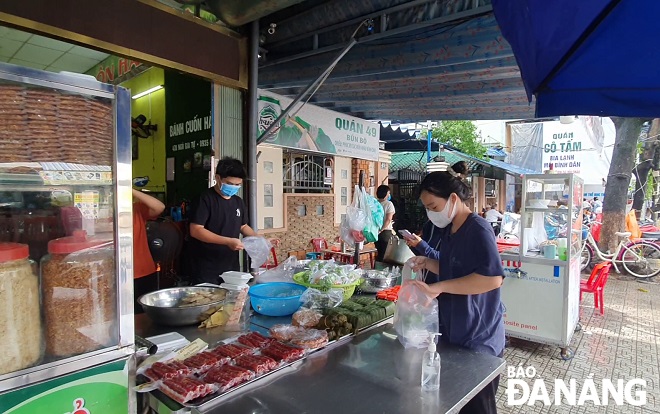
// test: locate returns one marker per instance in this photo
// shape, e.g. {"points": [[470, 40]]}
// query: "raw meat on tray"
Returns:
{"points": [[280, 352], [257, 363], [204, 361], [167, 370], [184, 389], [255, 339], [228, 376], [233, 351]]}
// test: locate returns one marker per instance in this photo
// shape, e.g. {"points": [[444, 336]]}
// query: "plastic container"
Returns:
{"points": [[431, 366], [236, 278], [348, 290], [276, 298], [79, 293], [20, 319]]}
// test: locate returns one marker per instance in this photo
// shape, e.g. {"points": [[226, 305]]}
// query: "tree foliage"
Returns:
{"points": [[460, 134]]}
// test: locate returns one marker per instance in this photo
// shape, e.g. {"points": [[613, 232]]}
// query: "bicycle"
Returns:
{"points": [[640, 258]]}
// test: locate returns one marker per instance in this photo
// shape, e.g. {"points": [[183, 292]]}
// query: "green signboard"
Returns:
{"points": [[98, 390], [188, 133]]}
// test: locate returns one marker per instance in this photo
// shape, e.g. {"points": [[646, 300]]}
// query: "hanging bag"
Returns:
{"points": [[375, 216]]}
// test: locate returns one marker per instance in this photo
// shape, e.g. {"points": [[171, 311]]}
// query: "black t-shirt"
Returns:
{"points": [[221, 216]]}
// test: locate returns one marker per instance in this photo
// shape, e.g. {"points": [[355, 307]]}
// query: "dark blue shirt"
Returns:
{"points": [[429, 246], [471, 321]]}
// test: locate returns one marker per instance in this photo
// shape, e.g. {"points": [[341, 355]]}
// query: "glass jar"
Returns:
{"points": [[79, 294], [20, 320]]}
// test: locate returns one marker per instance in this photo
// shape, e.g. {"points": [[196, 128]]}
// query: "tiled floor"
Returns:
{"points": [[622, 344]]}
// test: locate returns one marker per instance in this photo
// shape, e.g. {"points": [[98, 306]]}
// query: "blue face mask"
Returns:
{"points": [[389, 197], [229, 190]]}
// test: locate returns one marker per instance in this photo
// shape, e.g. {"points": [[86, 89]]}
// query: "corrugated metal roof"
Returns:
{"points": [[416, 161], [457, 68]]}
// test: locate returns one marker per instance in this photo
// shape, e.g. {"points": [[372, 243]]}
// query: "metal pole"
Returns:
{"points": [[429, 136], [302, 94], [253, 119], [356, 255]]}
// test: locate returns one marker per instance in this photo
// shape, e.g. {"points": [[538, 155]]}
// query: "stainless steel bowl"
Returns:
{"points": [[373, 281], [162, 306]]}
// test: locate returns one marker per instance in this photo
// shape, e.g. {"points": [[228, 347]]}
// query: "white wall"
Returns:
{"points": [[342, 168], [270, 156]]}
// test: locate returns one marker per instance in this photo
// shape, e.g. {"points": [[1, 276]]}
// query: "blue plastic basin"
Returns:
{"points": [[276, 298]]}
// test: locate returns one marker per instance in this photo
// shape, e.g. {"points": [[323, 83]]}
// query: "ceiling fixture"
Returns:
{"points": [[147, 92]]}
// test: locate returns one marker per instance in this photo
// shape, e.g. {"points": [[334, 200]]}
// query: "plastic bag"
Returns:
{"points": [[315, 299], [282, 273], [375, 216], [415, 317], [356, 213], [258, 248]]}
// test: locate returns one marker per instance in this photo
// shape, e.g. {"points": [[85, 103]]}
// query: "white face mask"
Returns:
{"points": [[443, 218]]}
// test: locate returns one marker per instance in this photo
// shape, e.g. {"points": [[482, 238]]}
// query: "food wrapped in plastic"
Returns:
{"points": [[306, 318], [259, 364], [167, 370], [233, 351], [204, 361], [330, 273], [228, 376], [315, 299], [254, 340], [184, 389], [283, 353], [284, 333], [310, 339]]}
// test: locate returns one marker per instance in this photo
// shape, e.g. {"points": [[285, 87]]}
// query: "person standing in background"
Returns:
{"points": [[598, 206], [387, 230], [145, 277]]}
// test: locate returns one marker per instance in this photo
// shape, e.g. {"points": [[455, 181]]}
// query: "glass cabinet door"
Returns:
{"points": [[58, 279]]}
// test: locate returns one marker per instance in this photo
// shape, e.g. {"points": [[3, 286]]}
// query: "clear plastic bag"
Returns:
{"points": [[282, 273], [416, 315], [258, 248], [315, 299]]}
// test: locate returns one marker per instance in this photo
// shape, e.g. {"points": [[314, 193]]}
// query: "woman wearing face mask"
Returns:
{"points": [[470, 275], [387, 230]]}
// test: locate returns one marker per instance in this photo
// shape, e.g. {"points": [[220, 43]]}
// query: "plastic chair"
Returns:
{"points": [[272, 264], [319, 244], [596, 285]]}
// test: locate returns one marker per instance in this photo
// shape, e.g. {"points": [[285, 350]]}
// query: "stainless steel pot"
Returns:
{"points": [[373, 281], [162, 306], [397, 252]]}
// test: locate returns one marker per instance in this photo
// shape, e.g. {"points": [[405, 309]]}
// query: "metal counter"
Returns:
{"points": [[370, 373]]}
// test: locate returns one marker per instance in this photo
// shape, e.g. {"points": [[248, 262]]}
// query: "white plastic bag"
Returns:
{"points": [[258, 248], [416, 315]]}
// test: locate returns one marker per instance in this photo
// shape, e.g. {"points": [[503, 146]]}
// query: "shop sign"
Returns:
{"points": [[196, 124], [581, 148], [319, 130], [112, 68], [102, 390]]}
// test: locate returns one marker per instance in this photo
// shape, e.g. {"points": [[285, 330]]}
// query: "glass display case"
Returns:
{"points": [[551, 217], [65, 228], [541, 289]]}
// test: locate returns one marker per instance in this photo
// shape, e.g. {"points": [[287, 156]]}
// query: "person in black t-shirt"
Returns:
{"points": [[218, 220]]}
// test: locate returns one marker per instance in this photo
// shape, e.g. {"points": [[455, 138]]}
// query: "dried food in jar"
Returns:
{"points": [[79, 296], [20, 320]]}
